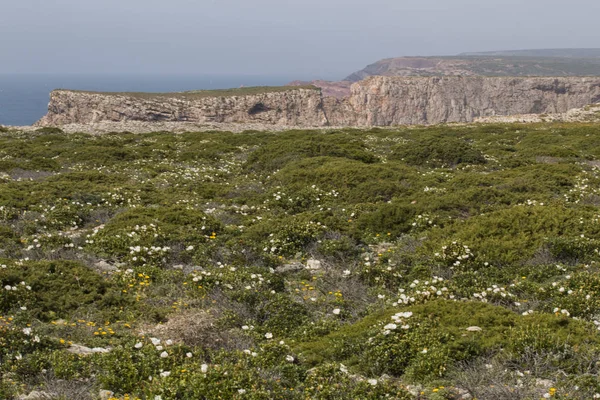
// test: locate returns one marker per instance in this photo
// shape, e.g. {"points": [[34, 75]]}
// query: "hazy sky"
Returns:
{"points": [[304, 38]]}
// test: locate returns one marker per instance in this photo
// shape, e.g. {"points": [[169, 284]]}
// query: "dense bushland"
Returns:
{"points": [[432, 263]]}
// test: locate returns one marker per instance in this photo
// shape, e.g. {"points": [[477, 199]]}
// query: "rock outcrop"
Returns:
{"points": [[375, 101], [385, 101], [298, 106]]}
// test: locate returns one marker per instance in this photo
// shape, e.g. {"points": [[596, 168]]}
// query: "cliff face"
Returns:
{"points": [[384, 101], [375, 101], [289, 107]]}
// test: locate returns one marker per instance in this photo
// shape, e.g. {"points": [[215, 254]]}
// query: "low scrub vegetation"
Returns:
{"points": [[449, 262]]}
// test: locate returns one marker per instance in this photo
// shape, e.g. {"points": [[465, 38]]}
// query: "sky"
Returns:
{"points": [[309, 39]]}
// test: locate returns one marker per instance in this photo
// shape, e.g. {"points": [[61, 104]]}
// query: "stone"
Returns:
{"points": [[463, 394], [313, 264], [291, 267], [83, 350], [38, 395], [544, 383], [104, 266]]}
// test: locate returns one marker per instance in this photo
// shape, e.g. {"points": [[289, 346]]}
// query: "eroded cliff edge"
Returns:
{"points": [[375, 101], [268, 106]]}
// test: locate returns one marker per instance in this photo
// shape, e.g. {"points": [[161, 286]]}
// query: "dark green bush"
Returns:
{"points": [[438, 152], [295, 146], [58, 288], [49, 130]]}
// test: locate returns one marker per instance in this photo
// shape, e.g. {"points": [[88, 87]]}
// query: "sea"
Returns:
{"points": [[24, 97]]}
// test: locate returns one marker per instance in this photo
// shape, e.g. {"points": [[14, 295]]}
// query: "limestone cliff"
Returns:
{"points": [[375, 101], [384, 101], [298, 106]]}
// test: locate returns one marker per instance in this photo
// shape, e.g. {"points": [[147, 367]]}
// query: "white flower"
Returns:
{"points": [[390, 327], [190, 248], [424, 351], [157, 397], [155, 341], [159, 348], [241, 391], [372, 382], [336, 311], [164, 354], [343, 368], [188, 355], [138, 345], [289, 358], [406, 314], [204, 368], [269, 335], [245, 327], [165, 374], [169, 342], [27, 331]]}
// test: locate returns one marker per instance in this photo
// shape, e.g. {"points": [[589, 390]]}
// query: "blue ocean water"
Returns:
{"points": [[24, 98]]}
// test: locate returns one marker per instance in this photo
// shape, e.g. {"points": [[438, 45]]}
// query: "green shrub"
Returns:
{"points": [[355, 181], [55, 289], [332, 382], [49, 130], [438, 152], [282, 316], [294, 146]]}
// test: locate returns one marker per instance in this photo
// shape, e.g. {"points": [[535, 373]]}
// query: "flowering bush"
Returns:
{"points": [[331, 265]]}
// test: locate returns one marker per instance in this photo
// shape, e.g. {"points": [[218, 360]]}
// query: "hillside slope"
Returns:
{"points": [[570, 53], [483, 65]]}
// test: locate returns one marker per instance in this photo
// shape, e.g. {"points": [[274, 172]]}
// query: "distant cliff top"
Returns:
{"points": [[199, 94], [510, 63], [569, 53]]}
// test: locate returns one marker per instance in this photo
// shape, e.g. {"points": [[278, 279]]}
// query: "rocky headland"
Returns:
{"points": [[374, 101]]}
